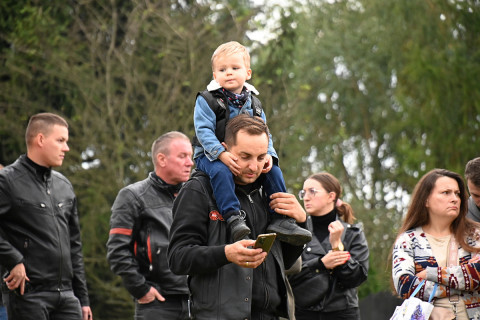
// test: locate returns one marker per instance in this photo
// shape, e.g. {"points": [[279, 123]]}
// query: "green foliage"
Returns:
{"points": [[378, 93], [375, 92], [122, 73]]}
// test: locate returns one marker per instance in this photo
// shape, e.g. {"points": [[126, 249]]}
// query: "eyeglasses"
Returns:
{"points": [[311, 192]]}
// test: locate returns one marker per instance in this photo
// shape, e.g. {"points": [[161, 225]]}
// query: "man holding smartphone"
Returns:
{"points": [[234, 280]]}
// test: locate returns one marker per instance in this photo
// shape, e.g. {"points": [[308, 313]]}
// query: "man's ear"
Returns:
{"points": [[161, 159], [225, 146], [39, 140]]}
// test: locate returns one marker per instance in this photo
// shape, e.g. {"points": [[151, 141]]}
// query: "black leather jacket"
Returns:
{"points": [[344, 279], [137, 245], [39, 221], [220, 289]]}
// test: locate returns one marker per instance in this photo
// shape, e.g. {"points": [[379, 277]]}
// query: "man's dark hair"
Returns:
{"points": [[254, 126], [42, 123], [472, 171]]}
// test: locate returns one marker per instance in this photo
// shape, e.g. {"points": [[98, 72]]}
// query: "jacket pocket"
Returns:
{"points": [[65, 207], [157, 244], [30, 207]]}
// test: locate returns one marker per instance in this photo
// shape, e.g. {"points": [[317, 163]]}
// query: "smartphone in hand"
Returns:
{"points": [[265, 241]]}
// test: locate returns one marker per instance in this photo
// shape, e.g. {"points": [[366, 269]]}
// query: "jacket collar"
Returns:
{"points": [[214, 85], [159, 183], [43, 173]]}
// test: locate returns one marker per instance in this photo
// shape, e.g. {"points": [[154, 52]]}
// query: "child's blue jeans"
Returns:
{"points": [[221, 179]]}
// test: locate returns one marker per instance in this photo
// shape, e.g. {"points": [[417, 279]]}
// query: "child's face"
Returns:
{"points": [[230, 72]]}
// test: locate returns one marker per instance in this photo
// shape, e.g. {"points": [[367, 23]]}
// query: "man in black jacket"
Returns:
{"points": [[139, 227], [41, 249], [233, 280], [472, 175]]}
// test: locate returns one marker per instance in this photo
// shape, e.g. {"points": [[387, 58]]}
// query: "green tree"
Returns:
{"points": [[122, 73], [377, 94]]}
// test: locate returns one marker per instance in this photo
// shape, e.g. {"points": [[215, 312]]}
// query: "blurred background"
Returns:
{"points": [[375, 92]]}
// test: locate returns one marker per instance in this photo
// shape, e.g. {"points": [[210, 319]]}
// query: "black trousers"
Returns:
{"points": [[347, 314], [175, 307], [43, 305]]}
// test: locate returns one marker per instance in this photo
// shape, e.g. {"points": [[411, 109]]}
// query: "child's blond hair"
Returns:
{"points": [[229, 48]]}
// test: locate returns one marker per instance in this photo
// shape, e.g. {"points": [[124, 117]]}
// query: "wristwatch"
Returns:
{"points": [[340, 247]]}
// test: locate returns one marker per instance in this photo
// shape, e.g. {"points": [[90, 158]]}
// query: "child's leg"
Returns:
{"points": [[222, 184], [223, 187], [274, 181], [285, 227]]}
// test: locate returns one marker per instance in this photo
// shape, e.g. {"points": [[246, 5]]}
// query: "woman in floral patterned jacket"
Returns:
{"points": [[438, 243]]}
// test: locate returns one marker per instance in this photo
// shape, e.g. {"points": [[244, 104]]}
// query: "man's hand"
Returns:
{"points": [[87, 313], [151, 295], [230, 161], [268, 164], [241, 255], [17, 278], [288, 205]]}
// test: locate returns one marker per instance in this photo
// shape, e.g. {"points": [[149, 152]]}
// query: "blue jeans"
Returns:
{"points": [[223, 186], [3, 313], [43, 305], [174, 307]]}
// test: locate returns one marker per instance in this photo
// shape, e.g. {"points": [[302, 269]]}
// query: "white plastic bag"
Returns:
{"points": [[414, 308]]}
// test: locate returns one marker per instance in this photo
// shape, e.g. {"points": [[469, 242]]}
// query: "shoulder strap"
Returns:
{"points": [[219, 105], [218, 102], [202, 178], [215, 99], [420, 285], [256, 106]]}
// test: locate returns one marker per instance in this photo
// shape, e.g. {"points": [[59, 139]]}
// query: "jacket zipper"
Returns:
{"points": [[264, 270], [267, 298], [149, 252], [54, 208]]}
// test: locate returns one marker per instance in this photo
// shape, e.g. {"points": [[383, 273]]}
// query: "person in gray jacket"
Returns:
{"points": [[41, 250], [472, 175], [139, 226], [233, 280]]}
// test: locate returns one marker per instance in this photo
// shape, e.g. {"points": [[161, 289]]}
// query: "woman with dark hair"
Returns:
{"points": [[437, 242], [335, 262]]}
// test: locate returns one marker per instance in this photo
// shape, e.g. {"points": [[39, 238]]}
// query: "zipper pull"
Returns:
{"points": [[45, 179]]}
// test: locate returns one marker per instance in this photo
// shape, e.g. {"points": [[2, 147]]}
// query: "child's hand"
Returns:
{"points": [[268, 164], [230, 161]]}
